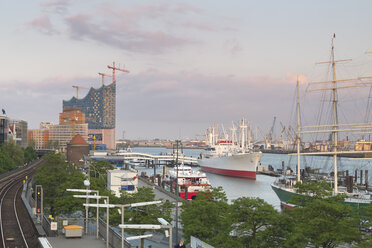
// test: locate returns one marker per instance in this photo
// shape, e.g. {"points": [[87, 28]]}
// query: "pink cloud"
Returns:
{"points": [[128, 28], [199, 25], [43, 25], [293, 78], [82, 27]]}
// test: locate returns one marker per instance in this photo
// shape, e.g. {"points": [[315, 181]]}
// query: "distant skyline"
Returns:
{"points": [[192, 63]]}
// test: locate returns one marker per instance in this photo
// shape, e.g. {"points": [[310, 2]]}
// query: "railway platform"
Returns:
{"points": [[84, 242]]}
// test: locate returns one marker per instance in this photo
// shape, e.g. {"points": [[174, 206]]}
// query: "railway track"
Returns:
{"points": [[16, 226]]}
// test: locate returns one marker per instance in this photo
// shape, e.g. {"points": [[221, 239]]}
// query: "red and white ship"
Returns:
{"points": [[189, 182], [229, 157]]}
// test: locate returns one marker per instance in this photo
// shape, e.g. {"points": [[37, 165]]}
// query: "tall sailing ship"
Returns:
{"points": [[229, 156], [284, 187]]}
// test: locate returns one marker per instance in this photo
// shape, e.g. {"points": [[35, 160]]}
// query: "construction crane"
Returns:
{"points": [[77, 90], [113, 68], [270, 134], [73, 121], [103, 75]]}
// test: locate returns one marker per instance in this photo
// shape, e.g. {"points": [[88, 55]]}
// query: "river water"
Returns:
{"points": [[238, 187]]}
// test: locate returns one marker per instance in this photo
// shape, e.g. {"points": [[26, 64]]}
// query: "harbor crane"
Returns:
{"points": [[113, 68], [103, 75], [270, 134], [77, 90]]}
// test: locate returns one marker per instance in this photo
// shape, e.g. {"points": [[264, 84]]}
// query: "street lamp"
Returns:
{"points": [[122, 206], [107, 206], [86, 184], [149, 226], [138, 204], [92, 197], [87, 191]]}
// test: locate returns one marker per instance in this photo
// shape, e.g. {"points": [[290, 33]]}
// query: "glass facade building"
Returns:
{"points": [[99, 106], [4, 128]]}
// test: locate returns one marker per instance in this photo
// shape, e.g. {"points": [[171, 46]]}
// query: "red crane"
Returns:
{"points": [[113, 68]]}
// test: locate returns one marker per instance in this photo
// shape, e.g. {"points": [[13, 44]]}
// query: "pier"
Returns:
{"points": [[143, 158]]}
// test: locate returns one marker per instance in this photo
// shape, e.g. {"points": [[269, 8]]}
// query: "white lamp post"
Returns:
{"points": [[139, 204], [149, 226], [107, 206], [86, 184]]}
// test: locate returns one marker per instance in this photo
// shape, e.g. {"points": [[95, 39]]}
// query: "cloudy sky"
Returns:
{"points": [[191, 63]]}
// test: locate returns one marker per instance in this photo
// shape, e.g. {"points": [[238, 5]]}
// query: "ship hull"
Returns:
{"points": [[239, 165], [285, 195]]}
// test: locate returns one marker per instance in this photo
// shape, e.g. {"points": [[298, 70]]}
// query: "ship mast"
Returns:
{"points": [[243, 127], [298, 140], [335, 119]]}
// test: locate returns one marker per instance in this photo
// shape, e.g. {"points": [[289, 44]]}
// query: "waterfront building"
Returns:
{"points": [[62, 134], [18, 132], [4, 128], [46, 124], [99, 107], [118, 180], [38, 138], [71, 116]]}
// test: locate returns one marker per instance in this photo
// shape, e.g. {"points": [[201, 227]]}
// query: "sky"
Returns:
{"points": [[192, 63]]}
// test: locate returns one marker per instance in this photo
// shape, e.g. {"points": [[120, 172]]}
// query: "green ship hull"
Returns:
{"points": [[285, 196]]}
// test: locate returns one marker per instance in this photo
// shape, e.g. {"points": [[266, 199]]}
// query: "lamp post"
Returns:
{"points": [[107, 206], [148, 226], [97, 196], [86, 184], [121, 206]]}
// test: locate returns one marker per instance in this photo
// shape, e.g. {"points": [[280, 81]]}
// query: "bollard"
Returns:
{"points": [[361, 177], [366, 179], [356, 175]]}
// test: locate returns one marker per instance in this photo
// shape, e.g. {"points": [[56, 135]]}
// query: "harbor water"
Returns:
{"points": [[239, 187]]}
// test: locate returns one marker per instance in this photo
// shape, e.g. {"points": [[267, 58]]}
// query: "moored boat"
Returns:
{"points": [[229, 157], [285, 187], [188, 181]]}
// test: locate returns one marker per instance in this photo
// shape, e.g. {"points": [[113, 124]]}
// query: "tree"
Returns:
{"points": [[6, 163], [321, 219], [56, 175], [29, 154], [52, 144], [365, 225], [208, 218], [31, 142], [14, 151], [253, 219], [98, 169]]}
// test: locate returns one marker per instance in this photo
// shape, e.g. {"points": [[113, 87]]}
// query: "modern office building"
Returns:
{"points": [[63, 134], [38, 138], [99, 107], [4, 128], [18, 132], [71, 116]]}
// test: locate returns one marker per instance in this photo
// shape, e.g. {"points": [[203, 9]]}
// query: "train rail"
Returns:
{"points": [[16, 226]]}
